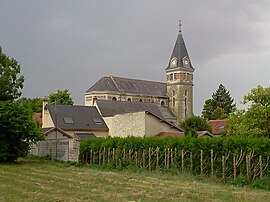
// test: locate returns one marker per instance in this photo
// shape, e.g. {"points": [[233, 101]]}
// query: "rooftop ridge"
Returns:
{"points": [[120, 77]]}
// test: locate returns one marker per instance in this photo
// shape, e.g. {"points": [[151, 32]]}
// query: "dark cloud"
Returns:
{"points": [[71, 44]]}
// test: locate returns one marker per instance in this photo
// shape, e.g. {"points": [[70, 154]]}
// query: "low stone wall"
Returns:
{"points": [[63, 150]]}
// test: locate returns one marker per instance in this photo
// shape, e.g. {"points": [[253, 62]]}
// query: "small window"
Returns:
{"points": [[174, 76], [97, 121], [114, 98], [68, 120], [140, 100], [129, 99], [173, 93], [186, 92], [171, 77], [173, 102], [162, 103]]}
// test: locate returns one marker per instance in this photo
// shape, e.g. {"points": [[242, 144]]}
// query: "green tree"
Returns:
{"points": [[10, 81], [194, 124], [255, 120], [17, 129], [62, 97], [35, 104], [220, 106]]}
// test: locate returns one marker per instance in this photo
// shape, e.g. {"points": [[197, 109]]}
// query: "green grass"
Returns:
{"points": [[44, 180]]}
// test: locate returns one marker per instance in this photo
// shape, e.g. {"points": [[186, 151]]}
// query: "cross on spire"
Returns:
{"points": [[180, 24]]}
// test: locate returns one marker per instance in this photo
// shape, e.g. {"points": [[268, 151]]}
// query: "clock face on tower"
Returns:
{"points": [[174, 62], [185, 61]]}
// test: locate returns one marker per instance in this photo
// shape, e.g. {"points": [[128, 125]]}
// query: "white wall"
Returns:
{"points": [[124, 125], [155, 126]]}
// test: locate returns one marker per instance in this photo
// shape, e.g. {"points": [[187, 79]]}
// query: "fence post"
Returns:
{"points": [[223, 169], [191, 161], [183, 156], [234, 166], [261, 167], [171, 157], [104, 157], [109, 155], [91, 156], [165, 158], [136, 158], [247, 167], [168, 158], [149, 158], [212, 163], [201, 162], [94, 157], [157, 152], [143, 159]]}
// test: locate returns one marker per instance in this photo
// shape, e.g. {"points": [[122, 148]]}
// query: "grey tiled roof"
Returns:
{"points": [[81, 116], [179, 51], [130, 86], [110, 108]]}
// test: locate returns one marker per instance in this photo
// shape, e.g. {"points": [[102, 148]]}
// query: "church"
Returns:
{"points": [[176, 95]]}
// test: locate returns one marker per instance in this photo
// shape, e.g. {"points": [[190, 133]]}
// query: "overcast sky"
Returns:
{"points": [[71, 44]]}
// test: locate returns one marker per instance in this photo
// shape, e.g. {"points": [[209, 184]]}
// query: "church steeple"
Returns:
{"points": [[180, 80], [179, 56]]}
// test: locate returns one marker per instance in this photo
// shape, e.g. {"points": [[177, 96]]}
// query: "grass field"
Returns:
{"points": [[44, 180]]}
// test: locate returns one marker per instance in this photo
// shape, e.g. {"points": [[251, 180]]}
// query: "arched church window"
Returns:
{"points": [[140, 100], [114, 98], [162, 103], [129, 99]]}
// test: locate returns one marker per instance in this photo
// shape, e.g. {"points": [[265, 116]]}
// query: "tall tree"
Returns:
{"points": [[10, 81], [61, 97], [255, 120], [220, 106], [17, 129]]}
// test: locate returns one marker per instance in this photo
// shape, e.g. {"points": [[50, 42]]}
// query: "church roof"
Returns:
{"points": [[179, 51], [110, 108], [129, 86]]}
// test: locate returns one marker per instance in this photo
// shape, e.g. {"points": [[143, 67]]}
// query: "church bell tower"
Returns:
{"points": [[180, 80]]}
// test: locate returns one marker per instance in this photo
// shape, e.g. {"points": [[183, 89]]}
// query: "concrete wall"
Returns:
{"points": [[124, 125], [57, 146]]}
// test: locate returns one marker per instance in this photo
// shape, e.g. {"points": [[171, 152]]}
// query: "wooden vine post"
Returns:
{"points": [[168, 159], [191, 161], [104, 156], [223, 169], [149, 158], [157, 154], [183, 156], [234, 166], [261, 166], [212, 163], [143, 155], [201, 162]]}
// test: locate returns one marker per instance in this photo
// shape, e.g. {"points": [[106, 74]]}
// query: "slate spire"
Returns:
{"points": [[179, 51]]}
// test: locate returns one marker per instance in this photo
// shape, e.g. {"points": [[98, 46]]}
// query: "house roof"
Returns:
{"points": [[171, 134], [179, 51], [110, 108], [72, 117], [204, 133], [129, 86], [218, 126]]}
